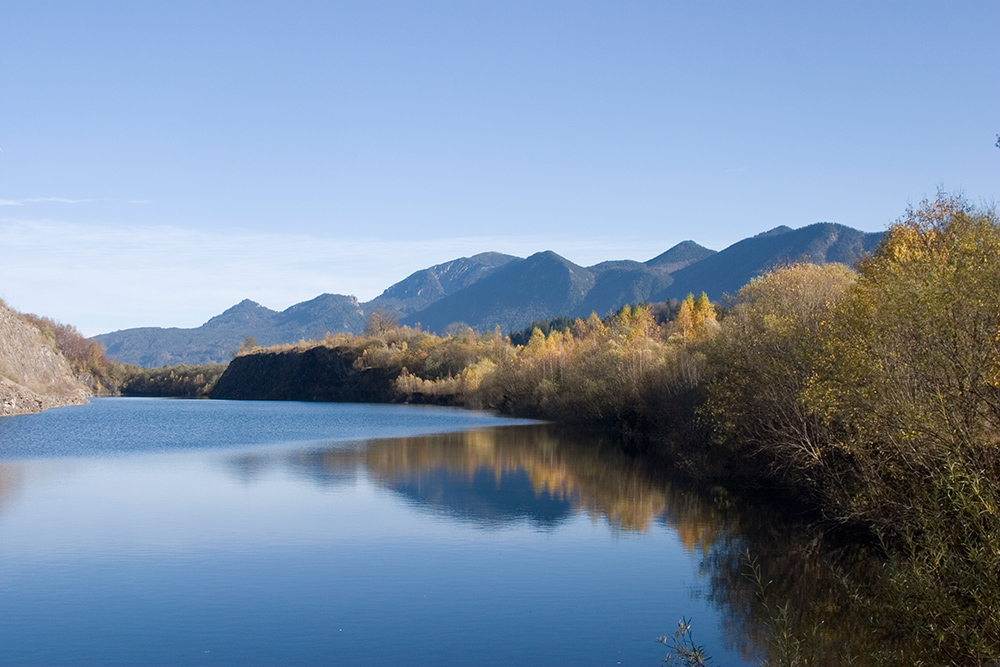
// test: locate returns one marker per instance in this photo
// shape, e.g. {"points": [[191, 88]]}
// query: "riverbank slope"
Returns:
{"points": [[34, 376]]}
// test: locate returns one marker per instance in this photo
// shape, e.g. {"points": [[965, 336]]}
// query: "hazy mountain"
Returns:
{"points": [[214, 341], [546, 285], [314, 318], [617, 283], [492, 288], [419, 290], [683, 254], [726, 271], [246, 313], [513, 295]]}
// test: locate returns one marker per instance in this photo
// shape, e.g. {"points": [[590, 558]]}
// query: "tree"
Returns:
{"points": [[911, 391], [684, 324], [915, 355], [766, 356], [381, 322], [706, 324]]}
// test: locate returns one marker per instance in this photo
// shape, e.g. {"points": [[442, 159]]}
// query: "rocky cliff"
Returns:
{"points": [[317, 374], [33, 375]]}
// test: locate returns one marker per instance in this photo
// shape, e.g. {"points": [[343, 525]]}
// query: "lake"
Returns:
{"points": [[165, 532]]}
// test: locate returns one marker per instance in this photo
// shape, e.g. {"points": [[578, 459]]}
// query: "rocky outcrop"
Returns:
{"points": [[33, 375], [317, 374]]}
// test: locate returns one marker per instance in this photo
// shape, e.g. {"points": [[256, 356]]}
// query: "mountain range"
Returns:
{"points": [[492, 289]]}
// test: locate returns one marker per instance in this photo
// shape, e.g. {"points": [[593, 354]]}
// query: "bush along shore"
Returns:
{"points": [[870, 395]]}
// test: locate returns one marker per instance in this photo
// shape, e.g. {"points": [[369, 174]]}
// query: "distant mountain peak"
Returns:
{"points": [[327, 298], [427, 286], [780, 229], [683, 254], [245, 304], [246, 311], [727, 271], [492, 258]]}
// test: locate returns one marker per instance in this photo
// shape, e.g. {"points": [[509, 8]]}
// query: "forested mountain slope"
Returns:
{"points": [[512, 296], [726, 271], [423, 288], [683, 254]]}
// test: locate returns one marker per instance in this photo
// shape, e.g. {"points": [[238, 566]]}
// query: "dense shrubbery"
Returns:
{"points": [[181, 381], [879, 397]]}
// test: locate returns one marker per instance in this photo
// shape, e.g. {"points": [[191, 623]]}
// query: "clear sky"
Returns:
{"points": [[164, 160]]}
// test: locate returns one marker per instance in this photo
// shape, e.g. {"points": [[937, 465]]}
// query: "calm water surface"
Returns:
{"points": [[163, 532]]}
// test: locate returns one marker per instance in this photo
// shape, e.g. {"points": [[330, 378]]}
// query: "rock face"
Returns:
{"points": [[317, 374], [33, 375]]}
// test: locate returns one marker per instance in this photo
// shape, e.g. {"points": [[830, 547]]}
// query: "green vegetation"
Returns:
{"points": [[561, 324], [180, 381], [872, 397]]}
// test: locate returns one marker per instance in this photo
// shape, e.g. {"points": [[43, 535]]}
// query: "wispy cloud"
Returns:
{"points": [[67, 200], [41, 200], [58, 200]]}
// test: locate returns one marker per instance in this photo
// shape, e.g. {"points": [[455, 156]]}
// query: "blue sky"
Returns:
{"points": [[164, 160]]}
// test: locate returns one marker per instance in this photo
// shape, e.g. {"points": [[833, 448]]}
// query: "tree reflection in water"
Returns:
{"points": [[786, 595]]}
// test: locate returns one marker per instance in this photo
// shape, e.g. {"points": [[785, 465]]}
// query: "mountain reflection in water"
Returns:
{"points": [[803, 591], [96, 511], [492, 476]]}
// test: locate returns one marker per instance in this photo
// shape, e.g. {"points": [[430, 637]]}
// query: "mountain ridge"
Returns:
{"points": [[494, 289], [726, 271]]}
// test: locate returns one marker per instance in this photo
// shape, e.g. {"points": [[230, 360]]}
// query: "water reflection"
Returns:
{"points": [[799, 608], [11, 480], [541, 473], [785, 594]]}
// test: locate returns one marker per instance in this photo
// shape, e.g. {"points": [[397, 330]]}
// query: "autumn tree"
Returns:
{"points": [[381, 322], [684, 324], [915, 349], [696, 320], [706, 323], [911, 386], [766, 356]]}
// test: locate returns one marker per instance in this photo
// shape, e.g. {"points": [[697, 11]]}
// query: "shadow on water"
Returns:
{"points": [[785, 594]]}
